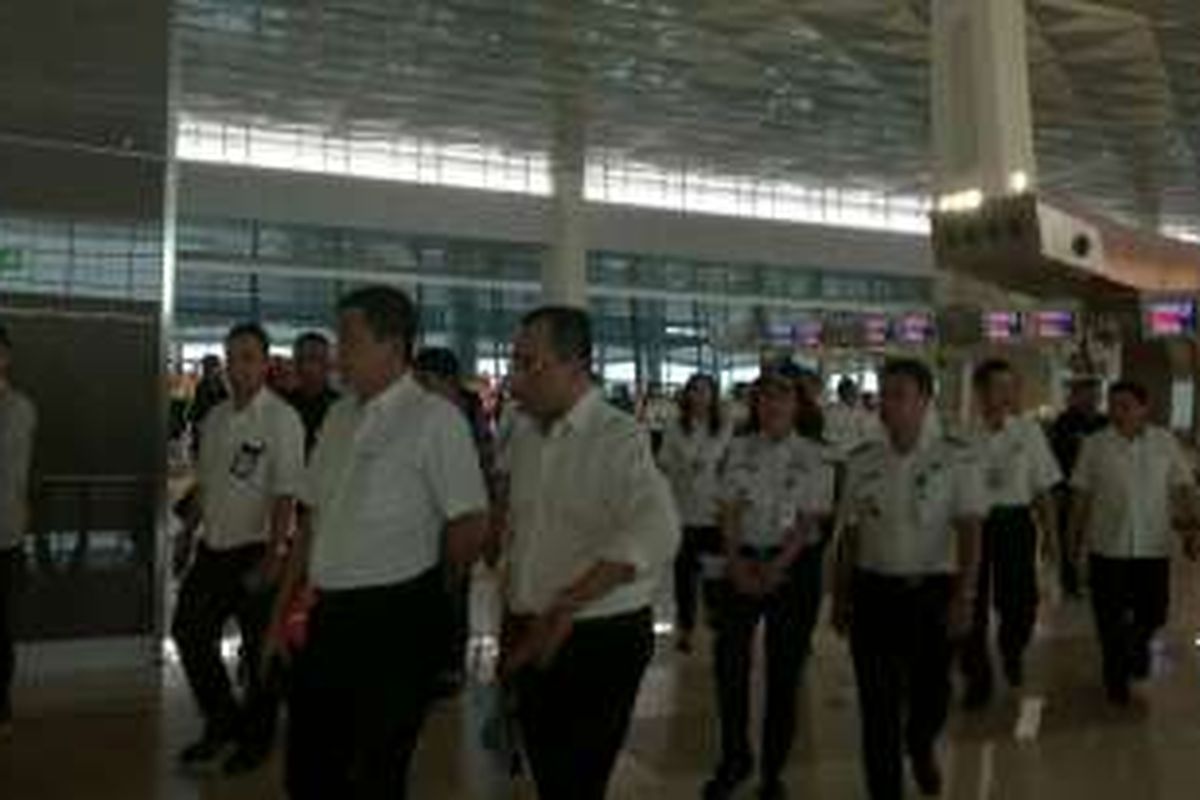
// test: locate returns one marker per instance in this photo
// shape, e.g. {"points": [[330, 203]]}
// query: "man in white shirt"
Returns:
{"points": [[251, 461], [848, 423], [18, 424], [909, 523], [1132, 485], [393, 485], [1020, 474], [593, 532]]}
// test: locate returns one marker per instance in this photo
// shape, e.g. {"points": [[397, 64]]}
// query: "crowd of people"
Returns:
{"points": [[339, 528]]}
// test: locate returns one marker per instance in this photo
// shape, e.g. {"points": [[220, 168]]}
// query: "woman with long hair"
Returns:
{"points": [[692, 450], [777, 488]]}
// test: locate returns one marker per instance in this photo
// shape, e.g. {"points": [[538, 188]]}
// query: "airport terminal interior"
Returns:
{"points": [[725, 186]]}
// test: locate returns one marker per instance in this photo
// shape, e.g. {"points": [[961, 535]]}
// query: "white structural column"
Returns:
{"points": [[564, 270], [982, 114]]}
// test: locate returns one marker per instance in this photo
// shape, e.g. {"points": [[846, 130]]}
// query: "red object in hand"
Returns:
{"points": [[295, 624]]}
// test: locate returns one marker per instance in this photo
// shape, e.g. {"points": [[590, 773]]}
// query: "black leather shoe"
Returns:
{"points": [[726, 780], [1014, 672], [204, 751], [1119, 695], [246, 759], [927, 774], [772, 789]]}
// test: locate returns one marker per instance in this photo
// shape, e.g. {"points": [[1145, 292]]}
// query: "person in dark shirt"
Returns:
{"points": [[312, 396], [211, 391], [1081, 419], [439, 370]]}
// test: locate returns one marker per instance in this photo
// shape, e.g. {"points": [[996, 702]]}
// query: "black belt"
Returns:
{"points": [[908, 582], [1010, 510], [759, 553], [415, 587]]}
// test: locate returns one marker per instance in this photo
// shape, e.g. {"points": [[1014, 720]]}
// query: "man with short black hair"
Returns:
{"points": [[210, 392], [18, 424], [251, 461], [439, 370], [1019, 475], [1081, 419], [393, 486], [313, 395], [593, 531], [1132, 486], [909, 523]]}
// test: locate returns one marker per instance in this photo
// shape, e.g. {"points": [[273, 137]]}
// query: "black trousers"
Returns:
{"points": [[1007, 582], [789, 614], [220, 586], [900, 643], [8, 593], [361, 689], [575, 714], [458, 612], [695, 543], [1068, 573], [1130, 598]]}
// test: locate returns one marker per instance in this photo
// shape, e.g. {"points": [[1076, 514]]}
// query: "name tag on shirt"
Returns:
{"points": [[247, 458]]}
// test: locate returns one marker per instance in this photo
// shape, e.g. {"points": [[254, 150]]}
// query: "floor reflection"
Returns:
{"points": [[97, 726]]}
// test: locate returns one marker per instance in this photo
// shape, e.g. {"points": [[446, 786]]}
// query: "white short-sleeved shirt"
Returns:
{"points": [[248, 459], [691, 462], [903, 508], [1017, 463], [384, 480], [18, 424], [846, 427], [584, 491], [776, 483], [1128, 483]]}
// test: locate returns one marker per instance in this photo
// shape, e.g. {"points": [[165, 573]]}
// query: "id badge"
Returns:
{"points": [[245, 461]]}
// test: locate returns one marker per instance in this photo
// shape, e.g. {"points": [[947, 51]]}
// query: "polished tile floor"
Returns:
{"points": [[103, 722]]}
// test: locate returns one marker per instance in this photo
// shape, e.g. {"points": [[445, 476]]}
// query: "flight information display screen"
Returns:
{"points": [[1171, 318], [914, 329], [1054, 324], [1002, 326], [875, 330], [807, 333]]}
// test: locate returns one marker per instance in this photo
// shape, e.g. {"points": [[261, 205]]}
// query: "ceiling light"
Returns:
{"points": [[1019, 182], [972, 199]]}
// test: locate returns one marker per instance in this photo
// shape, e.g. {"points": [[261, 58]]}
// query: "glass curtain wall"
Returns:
{"points": [[658, 319]]}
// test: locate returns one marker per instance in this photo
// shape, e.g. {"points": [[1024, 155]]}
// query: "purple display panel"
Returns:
{"points": [[1054, 324], [914, 329], [1170, 318], [1002, 326]]}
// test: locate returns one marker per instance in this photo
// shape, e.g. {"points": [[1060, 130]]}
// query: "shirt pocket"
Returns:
{"points": [[386, 474], [933, 494]]}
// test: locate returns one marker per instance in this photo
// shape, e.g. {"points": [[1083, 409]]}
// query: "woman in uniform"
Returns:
{"points": [[692, 451], [777, 486]]}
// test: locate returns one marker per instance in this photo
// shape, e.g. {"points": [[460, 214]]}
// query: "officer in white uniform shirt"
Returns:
{"points": [[18, 424], [778, 487], [693, 448], [251, 463], [393, 485], [593, 530], [909, 522], [847, 422], [1132, 484], [1020, 474]]}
